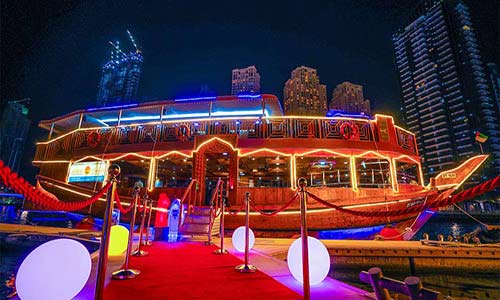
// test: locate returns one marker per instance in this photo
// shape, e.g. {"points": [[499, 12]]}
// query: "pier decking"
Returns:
{"points": [[180, 269], [394, 254]]}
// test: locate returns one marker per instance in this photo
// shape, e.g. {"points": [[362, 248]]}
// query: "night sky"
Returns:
{"points": [[52, 53]]}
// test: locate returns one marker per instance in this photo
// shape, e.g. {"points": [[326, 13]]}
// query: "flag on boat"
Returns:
{"points": [[481, 137]]}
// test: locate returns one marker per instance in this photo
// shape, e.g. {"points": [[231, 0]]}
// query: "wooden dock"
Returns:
{"points": [[394, 254]]}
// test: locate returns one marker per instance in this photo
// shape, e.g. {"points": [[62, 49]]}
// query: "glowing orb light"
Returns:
{"points": [[118, 240], [55, 270], [238, 239], [319, 260]]}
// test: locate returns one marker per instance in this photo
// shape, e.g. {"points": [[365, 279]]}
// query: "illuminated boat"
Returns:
{"points": [[183, 145]]}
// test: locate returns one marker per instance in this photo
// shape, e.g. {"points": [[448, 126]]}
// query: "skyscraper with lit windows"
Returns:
{"points": [[246, 80], [303, 93], [120, 78], [349, 97], [445, 93], [14, 127]]}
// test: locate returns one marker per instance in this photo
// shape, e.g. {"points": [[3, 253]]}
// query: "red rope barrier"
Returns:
{"points": [[19, 185], [273, 213], [235, 212], [462, 196], [120, 206]]}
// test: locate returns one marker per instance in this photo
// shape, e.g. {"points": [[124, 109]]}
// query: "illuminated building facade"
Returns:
{"points": [[120, 78], [444, 89], [14, 127], [246, 80], [303, 93], [349, 98], [494, 76]]}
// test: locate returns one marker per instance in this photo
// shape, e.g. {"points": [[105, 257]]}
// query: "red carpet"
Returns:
{"points": [[191, 271]]}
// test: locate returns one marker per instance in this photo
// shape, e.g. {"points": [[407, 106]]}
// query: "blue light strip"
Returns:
{"points": [[195, 99], [256, 112], [243, 96], [238, 113], [112, 107], [12, 195]]}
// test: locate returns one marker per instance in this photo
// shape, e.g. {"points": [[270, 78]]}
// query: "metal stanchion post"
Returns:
{"points": [[138, 251], [147, 242], [127, 273], [209, 241], [303, 235], [113, 173], [246, 268], [221, 251]]}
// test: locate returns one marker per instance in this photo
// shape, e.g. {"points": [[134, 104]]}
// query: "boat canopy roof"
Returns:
{"points": [[243, 105]]}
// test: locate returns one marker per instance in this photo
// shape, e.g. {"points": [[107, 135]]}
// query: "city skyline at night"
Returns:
{"points": [[54, 53]]}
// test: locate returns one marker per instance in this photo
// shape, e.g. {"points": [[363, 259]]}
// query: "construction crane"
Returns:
{"points": [[117, 47], [133, 41]]}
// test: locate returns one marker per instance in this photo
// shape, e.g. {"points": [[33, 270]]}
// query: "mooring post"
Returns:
{"points": [[375, 274], [413, 286]]}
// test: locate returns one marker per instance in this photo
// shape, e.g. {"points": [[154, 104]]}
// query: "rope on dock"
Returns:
{"points": [[275, 212], [38, 197]]}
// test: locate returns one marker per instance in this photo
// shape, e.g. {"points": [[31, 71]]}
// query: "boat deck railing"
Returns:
{"points": [[99, 138]]}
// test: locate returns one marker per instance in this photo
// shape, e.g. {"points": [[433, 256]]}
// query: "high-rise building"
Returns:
{"points": [[120, 77], [303, 94], [495, 82], [246, 80], [444, 89], [349, 98], [14, 127]]}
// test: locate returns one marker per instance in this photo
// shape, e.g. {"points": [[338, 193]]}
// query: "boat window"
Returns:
{"points": [[133, 169], [264, 171], [173, 171], [324, 171], [407, 173], [373, 173]]}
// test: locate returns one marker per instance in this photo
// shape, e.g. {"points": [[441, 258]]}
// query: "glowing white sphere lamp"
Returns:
{"points": [[118, 240], [319, 260], [55, 270], [238, 239]]}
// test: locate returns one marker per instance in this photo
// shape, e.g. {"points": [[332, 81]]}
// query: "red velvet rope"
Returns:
{"points": [[120, 206], [273, 213], [140, 208], [235, 212], [462, 196], [19, 185]]}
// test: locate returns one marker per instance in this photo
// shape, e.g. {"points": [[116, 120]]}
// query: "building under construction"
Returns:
{"points": [[120, 75]]}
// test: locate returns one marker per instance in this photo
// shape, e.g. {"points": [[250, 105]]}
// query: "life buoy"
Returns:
{"points": [[348, 130], [182, 133], [93, 139]]}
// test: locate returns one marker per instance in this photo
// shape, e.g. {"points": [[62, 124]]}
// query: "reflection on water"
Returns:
{"points": [[470, 285], [12, 255], [460, 285]]}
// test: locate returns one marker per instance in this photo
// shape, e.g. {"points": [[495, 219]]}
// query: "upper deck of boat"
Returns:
{"points": [[248, 123]]}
